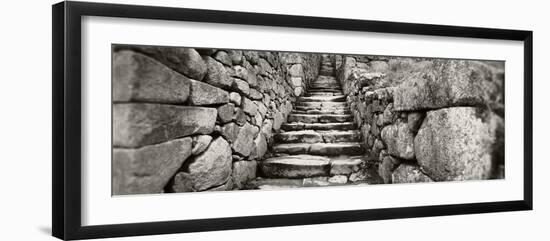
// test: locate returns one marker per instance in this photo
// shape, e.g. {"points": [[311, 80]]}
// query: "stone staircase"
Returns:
{"points": [[319, 145]]}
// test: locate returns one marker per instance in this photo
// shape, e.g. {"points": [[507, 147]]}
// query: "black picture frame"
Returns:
{"points": [[66, 127]]}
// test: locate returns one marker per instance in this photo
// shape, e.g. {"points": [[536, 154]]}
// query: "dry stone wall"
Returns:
{"points": [[427, 119], [189, 119]]}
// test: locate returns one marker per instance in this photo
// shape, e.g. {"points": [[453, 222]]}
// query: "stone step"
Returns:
{"points": [[321, 110], [304, 166], [325, 86], [319, 105], [312, 136], [323, 118], [318, 126], [340, 98], [326, 80], [333, 90], [286, 183], [329, 149], [323, 94], [298, 166], [318, 112], [326, 72], [326, 77]]}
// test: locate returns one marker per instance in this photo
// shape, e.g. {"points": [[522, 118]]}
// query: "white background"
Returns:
{"points": [[26, 123]]}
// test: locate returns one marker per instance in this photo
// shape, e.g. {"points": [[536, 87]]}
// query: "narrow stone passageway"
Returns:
{"points": [[195, 120], [319, 145]]}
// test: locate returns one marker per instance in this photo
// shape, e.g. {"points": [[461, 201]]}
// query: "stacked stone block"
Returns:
{"points": [[427, 120], [189, 119]]}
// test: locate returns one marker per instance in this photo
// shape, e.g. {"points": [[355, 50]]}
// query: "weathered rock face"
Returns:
{"points": [[137, 77], [184, 60], [200, 143], [447, 83], [399, 140], [136, 125], [217, 74], [205, 94], [407, 173], [209, 169], [243, 171], [455, 144], [244, 142], [386, 168], [148, 169]]}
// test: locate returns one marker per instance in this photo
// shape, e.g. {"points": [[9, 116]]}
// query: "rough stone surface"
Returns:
{"points": [[278, 120], [235, 98], [227, 186], [209, 169], [447, 83], [297, 166], [205, 94], [136, 125], [200, 143], [217, 74], [249, 107], [407, 173], [241, 86], [183, 60], [244, 142], [223, 58], [345, 166], [414, 120], [399, 140], [148, 169], [338, 179], [225, 112], [455, 144], [230, 131], [386, 168], [243, 171], [296, 71], [137, 77], [260, 144], [239, 116], [236, 56]]}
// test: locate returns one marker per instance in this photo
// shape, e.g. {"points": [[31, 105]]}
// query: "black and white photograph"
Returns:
{"points": [[191, 119], [275, 120]]}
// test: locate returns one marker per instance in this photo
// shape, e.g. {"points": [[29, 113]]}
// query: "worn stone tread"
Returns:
{"points": [[340, 98], [311, 136], [322, 118], [327, 111], [330, 149], [319, 126], [298, 166]]}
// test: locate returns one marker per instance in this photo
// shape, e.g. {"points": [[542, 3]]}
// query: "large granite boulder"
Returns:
{"points": [[210, 169], [148, 169], [137, 77], [139, 124], [399, 140], [183, 60], [456, 144], [446, 83]]}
